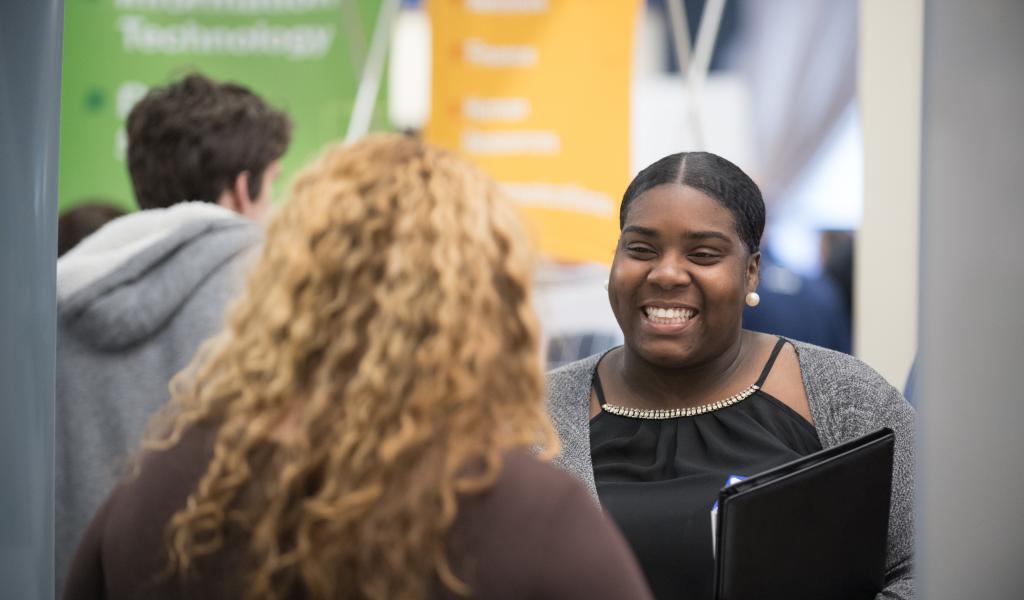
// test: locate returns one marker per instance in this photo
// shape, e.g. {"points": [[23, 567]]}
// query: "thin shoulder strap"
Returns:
{"points": [[597, 388], [771, 362]]}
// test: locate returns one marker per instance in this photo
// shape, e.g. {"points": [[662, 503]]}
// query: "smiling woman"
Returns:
{"points": [[656, 427]]}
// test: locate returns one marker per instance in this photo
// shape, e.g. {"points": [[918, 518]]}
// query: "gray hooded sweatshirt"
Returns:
{"points": [[134, 302]]}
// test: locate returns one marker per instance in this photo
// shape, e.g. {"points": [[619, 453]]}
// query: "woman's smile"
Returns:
{"points": [[667, 320]]}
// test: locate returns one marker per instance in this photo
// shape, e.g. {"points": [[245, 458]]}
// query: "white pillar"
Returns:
{"points": [[886, 262]]}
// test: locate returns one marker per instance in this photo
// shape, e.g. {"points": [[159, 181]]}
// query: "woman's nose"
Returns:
{"points": [[669, 272]]}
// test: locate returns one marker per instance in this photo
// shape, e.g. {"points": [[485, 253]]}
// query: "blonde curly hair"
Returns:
{"points": [[381, 361]]}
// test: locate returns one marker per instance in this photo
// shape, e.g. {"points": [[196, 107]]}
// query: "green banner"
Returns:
{"points": [[303, 56]]}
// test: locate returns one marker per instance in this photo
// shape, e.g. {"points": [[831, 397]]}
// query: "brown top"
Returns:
{"points": [[535, 534]]}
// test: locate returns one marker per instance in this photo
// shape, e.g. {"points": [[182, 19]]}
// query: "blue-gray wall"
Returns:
{"points": [[31, 33]]}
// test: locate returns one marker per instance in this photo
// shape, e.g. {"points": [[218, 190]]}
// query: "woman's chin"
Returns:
{"points": [[667, 355]]}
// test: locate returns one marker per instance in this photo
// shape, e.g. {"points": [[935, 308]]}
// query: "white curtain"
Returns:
{"points": [[799, 57]]}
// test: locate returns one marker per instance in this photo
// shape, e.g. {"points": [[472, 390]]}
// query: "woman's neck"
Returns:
{"points": [[648, 385]]}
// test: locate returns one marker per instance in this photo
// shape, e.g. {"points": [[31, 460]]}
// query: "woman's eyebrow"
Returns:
{"points": [[703, 235], [646, 231]]}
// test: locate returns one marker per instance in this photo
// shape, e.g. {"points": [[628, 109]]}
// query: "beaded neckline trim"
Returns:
{"points": [[675, 413]]}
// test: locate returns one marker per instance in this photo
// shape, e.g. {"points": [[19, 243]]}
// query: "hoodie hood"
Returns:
{"points": [[124, 283]]}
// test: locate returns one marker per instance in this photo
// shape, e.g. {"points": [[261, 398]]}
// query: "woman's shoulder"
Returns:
{"points": [[847, 396], [829, 367], [570, 384], [525, 499], [522, 471], [537, 532], [568, 399], [580, 369]]}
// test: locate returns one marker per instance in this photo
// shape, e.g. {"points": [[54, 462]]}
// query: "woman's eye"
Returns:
{"points": [[704, 257], [639, 250]]}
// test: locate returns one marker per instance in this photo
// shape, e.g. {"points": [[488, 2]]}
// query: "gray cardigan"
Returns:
{"points": [[847, 399]]}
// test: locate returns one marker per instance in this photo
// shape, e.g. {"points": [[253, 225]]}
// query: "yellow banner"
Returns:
{"points": [[537, 93]]}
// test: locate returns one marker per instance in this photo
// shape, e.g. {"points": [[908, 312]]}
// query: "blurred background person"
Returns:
{"points": [[78, 223], [362, 429], [837, 252], [135, 300], [657, 426], [800, 307]]}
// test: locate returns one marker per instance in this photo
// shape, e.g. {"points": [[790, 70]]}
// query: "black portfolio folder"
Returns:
{"points": [[812, 529]]}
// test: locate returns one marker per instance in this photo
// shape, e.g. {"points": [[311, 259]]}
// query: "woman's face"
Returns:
{"points": [[679, 277]]}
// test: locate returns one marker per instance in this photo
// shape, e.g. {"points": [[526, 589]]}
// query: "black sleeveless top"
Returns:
{"points": [[658, 478]]}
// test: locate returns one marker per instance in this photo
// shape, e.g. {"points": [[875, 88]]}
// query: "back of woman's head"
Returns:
{"points": [[381, 361], [712, 175], [78, 223]]}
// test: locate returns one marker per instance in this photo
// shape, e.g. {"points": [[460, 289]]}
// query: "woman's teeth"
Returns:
{"points": [[668, 316]]}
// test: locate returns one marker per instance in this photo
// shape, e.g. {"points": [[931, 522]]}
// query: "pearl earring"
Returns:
{"points": [[753, 299], [606, 285]]}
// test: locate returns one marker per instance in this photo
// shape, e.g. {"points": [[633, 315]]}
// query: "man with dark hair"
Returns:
{"points": [[136, 299], [203, 140]]}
